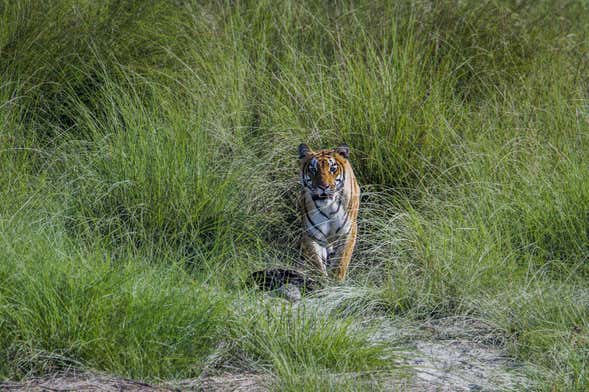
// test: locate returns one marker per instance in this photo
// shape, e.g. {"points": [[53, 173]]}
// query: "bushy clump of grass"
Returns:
{"points": [[154, 173], [493, 44], [67, 306], [376, 90], [546, 322], [51, 49], [516, 219], [149, 172], [302, 346]]}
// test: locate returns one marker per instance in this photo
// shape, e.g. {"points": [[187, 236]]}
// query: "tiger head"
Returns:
{"points": [[323, 172]]}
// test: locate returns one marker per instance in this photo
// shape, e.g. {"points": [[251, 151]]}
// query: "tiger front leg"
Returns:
{"points": [[344, 253], [314, 254]]}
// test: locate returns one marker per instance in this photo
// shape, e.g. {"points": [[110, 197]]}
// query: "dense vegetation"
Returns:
{"points": [[148, 154]]}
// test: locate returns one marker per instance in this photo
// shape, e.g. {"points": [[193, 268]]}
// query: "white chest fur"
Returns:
{"points": [[327, 218]]}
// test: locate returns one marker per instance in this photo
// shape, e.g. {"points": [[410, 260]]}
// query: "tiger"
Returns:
{"points": [[329, 204]]}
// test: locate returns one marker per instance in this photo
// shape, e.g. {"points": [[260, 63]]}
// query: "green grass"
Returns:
{"points": [[307, 347], [67, 307], [148, 165]]}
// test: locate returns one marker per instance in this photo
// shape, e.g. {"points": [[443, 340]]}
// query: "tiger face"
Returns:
{"points": [[323, 171]]}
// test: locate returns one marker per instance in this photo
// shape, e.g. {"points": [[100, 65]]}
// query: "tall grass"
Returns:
{"points": [[148, 166], [307, 348]]}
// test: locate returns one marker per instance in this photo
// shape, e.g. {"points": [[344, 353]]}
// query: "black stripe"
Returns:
{"points": [[319, 241], [319, 209], [338, 207], [343, 181], [343, 224], [347, 215], [313, 224], [307, 229], [315, 227]]}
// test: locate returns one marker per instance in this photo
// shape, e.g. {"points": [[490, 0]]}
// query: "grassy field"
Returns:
{"points": [[148, 155]]}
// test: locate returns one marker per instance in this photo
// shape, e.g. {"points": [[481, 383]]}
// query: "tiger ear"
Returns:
{"points": [[343, 150], [303, 150]]}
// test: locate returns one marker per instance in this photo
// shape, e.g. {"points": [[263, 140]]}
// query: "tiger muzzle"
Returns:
{"points": [[323, 193]]}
